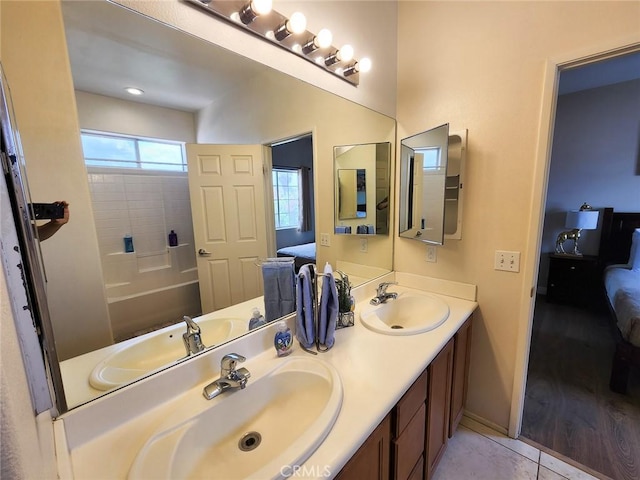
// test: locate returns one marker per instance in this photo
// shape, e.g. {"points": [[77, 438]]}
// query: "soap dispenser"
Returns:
{"points": [[256, 320], [283, 340]]}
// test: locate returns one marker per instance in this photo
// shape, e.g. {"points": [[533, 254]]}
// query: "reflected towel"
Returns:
{"points": [[328, 313], [279, 279], [305, 331]]}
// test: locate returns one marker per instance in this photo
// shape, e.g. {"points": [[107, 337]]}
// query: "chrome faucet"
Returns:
{"points": [[191, 338], [382, 295], [229, 376]]}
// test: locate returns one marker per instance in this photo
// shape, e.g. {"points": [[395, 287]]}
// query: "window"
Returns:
{"points": [[286, 198], [116, 151]]}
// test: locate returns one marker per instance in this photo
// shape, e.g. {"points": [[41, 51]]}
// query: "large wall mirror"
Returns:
{"points": [[362, 186], [202, 96]]}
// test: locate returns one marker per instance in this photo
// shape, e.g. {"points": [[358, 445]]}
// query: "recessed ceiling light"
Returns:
{"points": [[134, 91]]}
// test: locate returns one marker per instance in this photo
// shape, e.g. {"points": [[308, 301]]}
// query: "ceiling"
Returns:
{"points": [[174, 69]]}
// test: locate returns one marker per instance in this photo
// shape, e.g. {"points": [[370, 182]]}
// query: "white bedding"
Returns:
{"points": [[307, 251], [623, 289]]}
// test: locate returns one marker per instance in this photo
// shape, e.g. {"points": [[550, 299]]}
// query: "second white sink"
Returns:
{"points": [[413, 312]]}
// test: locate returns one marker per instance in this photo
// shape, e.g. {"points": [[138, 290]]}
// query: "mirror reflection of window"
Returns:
{"points": [[286, 197]]}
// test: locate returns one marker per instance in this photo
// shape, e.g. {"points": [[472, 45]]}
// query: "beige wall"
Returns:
{"points": [[108, 114], [481, 66], [34, 55]]}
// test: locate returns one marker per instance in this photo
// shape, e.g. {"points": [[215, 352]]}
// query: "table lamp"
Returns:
{"points": [[586, 218]]}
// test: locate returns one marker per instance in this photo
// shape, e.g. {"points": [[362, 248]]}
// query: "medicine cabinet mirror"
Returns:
{"points": [[362, 185], [431, 171]]}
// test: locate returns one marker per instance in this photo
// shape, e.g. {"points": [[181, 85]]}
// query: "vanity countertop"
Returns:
{"points": [[106, 435]]}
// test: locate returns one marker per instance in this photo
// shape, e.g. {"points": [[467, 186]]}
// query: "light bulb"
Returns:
{"points": [[345, 53], [364, 65], [261, 7], [297, 23], [253, 9], [324, 38]]}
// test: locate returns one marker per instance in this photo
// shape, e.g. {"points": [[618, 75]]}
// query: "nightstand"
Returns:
{"points": [[573, 280]]}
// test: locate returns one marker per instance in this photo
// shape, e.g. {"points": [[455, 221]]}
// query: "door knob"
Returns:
{"points": [[203, 253]]}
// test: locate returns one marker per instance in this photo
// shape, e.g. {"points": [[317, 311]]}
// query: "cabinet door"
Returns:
{"points": [[408, 448], [371, 461], [461, 354], [438, 406]]}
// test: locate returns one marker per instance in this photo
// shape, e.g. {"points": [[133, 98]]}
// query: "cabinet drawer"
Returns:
{"points": [[409, 447], [410, 403]]}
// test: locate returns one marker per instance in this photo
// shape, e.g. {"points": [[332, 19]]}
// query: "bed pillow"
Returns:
{"points": [[634, 254]]}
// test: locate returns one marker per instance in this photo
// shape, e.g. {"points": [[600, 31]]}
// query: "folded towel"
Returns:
{"points": [[305, 329], [279, 279], [328, 312], [343, 229]]}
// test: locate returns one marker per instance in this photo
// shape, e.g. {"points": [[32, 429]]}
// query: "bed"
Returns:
{"points": [[620, 245], [302, 254]]}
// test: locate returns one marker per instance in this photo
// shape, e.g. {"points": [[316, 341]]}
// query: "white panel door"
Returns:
{"points": [[227, 201]]}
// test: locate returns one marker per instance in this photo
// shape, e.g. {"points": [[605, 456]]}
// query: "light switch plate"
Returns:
{"points": [[507, 261], [325, 240]]}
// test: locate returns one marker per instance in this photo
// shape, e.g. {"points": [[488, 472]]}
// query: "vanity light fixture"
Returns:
{"points": [[364, 65], [345, 54], [322, 40], [258, 17], [134, 91], [253, 10], [295, 25]]}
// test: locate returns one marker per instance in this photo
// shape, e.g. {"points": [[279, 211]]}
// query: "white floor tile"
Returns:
{"points": [[469, 455], [545, 474], [563, 468], [517, 446]]}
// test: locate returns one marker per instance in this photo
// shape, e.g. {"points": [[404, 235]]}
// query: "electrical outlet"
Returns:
{"points": [[432, 254], [507, 261], [364, 245], [325, 240]]}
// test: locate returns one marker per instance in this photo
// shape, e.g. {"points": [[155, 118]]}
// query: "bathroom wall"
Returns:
{"points": [[595, 159], [28, 449], [481, 66]]}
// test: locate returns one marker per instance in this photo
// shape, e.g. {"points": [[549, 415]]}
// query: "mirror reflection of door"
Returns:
{"points": [[227, 201], [352, 193]]}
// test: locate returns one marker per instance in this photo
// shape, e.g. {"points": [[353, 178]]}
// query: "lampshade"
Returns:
{"points": [[582, 219]]}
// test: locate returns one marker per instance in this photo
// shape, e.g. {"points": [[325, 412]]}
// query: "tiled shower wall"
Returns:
{"points": [[148, 207]]}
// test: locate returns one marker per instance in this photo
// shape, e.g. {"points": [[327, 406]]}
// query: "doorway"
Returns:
{"points": [[568, 408]]}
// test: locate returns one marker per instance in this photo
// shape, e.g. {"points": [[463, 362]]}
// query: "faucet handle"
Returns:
{"points": [[229, 362], [382, 288]]}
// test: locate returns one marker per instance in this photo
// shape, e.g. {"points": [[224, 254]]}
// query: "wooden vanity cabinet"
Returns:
{"points": [[371, 461], [408, 431], [438, 406], [460, 376], [411, 440]]}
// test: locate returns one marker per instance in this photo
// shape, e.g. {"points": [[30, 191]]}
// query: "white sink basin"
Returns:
{"points": [[158, 350], [292, 407], [411, 313]]}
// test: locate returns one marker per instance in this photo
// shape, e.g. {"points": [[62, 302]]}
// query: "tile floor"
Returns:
{"points": [[478, 452]]}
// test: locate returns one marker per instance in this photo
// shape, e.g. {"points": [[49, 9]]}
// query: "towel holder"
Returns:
{"points": [[315, 307]]}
